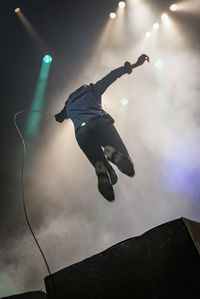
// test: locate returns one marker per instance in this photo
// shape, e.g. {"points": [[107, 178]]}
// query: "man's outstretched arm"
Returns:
{"points": [[100, 86]]}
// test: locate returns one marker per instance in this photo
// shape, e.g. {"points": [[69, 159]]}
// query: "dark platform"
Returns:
{"points": [[29, 295], [162, 263]]}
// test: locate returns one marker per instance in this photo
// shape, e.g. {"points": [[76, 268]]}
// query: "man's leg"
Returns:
{"points": [[115, 149], [89, 144]]}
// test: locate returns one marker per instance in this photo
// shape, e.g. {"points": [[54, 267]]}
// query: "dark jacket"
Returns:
{"points": [[85, 102]]}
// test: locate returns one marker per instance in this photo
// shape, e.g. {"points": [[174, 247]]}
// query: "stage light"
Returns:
{"points": [[113, 15], [148, 34], [47, 59], [124, 101], [165, 18], [30, 29], [17, 9], [122, 4], [159, 64], [156, 26], [38, 99], [173, 7]]}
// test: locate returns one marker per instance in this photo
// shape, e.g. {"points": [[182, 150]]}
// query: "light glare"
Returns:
{"points": [[124, 101], [159, 64], [165, 17], [113, 15], [122, 4], [17, 9], [156, 26], [173, 7], [47, 59], [148, 34]]}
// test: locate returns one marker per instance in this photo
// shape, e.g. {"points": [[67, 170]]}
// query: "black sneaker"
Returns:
{"points": [[104, 185], [113, 176], [124, 164]]}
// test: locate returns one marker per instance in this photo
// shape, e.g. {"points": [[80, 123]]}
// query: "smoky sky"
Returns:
{"points": [[160, 127]]}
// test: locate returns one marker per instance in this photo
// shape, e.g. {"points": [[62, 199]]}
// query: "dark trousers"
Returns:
{"points": [[98, 133]]}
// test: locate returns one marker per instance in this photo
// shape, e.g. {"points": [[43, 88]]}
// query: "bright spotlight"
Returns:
{"points": [[17, 9], [113, 15], [121, 4], [47, 59], [148, 34], [156, 26], [165, 17], [173, 7]]}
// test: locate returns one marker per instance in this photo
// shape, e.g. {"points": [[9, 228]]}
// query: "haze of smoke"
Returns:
{"points": [[160, 127]]}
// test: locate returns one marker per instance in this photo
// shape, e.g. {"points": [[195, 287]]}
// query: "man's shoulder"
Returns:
{"points": [[79, 91]]}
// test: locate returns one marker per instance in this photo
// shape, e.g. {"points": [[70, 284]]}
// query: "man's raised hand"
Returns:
{"points": [[141, 60]]}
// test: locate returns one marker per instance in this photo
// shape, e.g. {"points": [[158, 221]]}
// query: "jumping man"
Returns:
{"points": [[95, 132]]}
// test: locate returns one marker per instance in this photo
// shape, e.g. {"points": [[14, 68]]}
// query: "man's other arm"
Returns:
{"points": [[100, 86]]}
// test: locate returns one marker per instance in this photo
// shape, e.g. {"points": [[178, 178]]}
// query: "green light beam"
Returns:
{"points": [[38, 99]]}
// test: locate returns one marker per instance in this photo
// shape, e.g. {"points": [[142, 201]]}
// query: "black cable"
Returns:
{"points": [[23, 195]]}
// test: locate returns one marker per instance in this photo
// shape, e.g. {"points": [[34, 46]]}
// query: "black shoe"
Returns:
{"points": [[113, 176], [104, 185], [124, 164]]}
